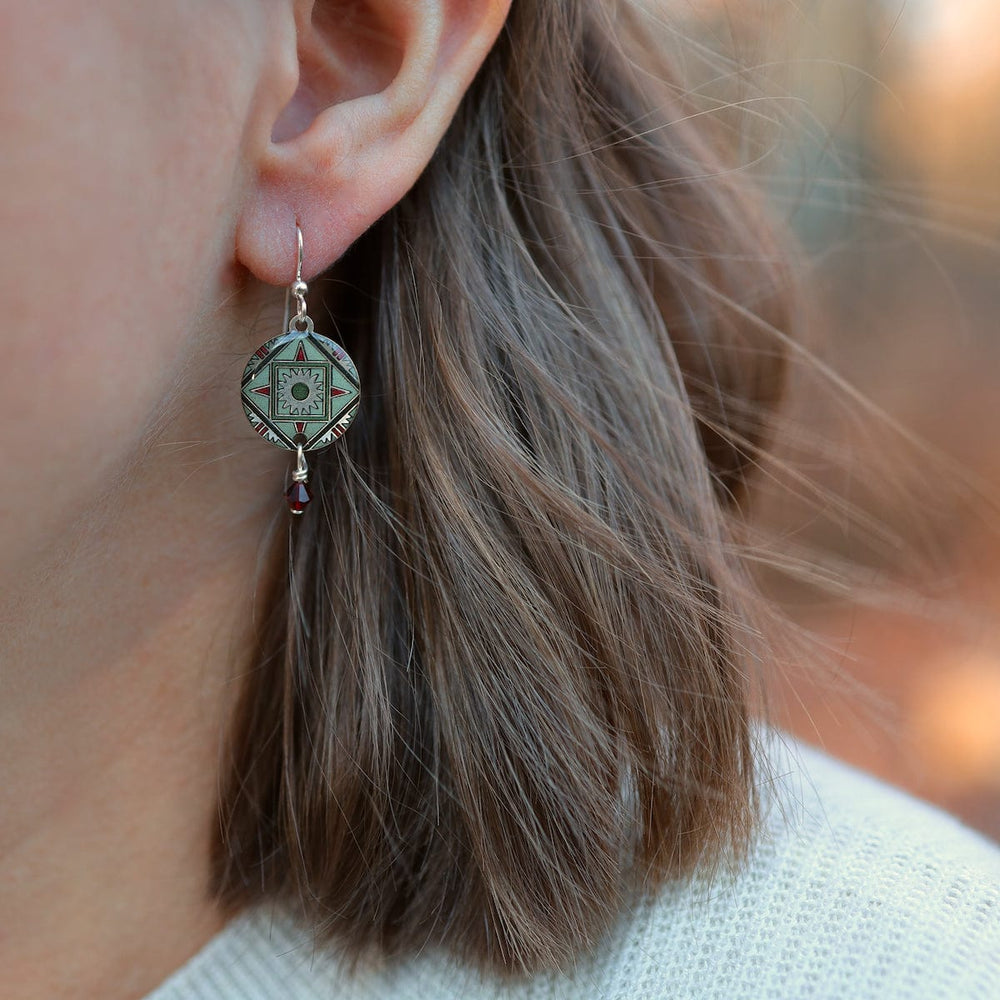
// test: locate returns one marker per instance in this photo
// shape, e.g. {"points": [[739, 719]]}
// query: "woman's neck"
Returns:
{"points": [[117, 660]]}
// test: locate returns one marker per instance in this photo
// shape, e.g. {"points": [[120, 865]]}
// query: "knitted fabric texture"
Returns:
{"points": [[855, 890]]}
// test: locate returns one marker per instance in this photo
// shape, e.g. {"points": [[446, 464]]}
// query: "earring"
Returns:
{"points": [[300, 390]]}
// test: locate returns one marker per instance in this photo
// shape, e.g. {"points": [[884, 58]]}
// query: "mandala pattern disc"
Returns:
{"points": [[300, 387]]}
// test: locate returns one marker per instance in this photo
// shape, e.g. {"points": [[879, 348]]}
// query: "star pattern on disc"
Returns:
{"points": [[300, 387]]}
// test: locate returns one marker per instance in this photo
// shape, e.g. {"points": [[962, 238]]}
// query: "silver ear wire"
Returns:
{"points": [[298, 288]]}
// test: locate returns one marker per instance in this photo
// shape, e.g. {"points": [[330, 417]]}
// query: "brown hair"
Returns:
{"points": [[509, 677]]}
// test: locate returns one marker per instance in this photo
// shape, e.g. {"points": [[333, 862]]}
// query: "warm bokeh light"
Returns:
{"points": [[953, 718], [940, 116]]}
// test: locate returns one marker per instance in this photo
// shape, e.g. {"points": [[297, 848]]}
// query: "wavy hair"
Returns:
{"points": [[508, 678]]}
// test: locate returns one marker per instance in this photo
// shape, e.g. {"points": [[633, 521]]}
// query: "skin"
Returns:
{"points": [[155, 159]]}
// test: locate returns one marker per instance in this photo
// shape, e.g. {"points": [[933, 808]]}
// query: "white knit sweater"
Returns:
{"points": [[856, 890]]}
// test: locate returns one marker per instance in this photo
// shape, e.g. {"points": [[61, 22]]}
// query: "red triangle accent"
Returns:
{"points": [[334, 391], [300, 354], [301, 428], [264, 390]]}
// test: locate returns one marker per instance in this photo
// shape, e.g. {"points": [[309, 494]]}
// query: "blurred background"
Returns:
{"points": [[874, 125]]}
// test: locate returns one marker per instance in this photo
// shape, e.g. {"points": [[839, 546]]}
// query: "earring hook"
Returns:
{"points": [[298, 240], [297, 289]]}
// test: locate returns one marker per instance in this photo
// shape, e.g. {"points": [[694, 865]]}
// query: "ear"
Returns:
{"points": [[366, 91]]}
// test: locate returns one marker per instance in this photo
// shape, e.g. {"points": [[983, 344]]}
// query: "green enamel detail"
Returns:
{"points": [[298, 386]]}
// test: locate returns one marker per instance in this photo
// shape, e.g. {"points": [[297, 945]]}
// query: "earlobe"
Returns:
{"points": [[376, 92]]}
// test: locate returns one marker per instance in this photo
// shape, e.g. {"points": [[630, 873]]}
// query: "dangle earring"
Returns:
{"points": [[300, 390]]}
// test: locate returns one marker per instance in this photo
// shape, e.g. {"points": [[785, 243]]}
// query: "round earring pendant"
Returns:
{"points": [[300, 388]]}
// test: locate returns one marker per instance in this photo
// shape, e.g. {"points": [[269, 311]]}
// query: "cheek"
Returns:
{"points": [[122, 134]]}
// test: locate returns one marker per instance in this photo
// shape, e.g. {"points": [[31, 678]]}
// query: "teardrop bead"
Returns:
{"points": [[298, 498]]}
